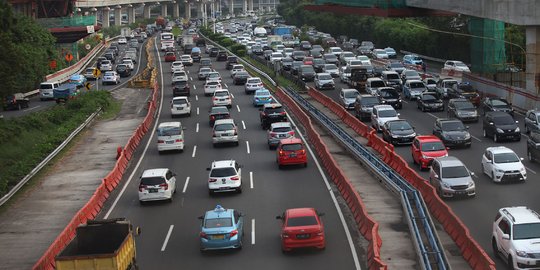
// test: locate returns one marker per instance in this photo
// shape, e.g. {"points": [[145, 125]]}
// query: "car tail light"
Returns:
{"points": [[319, 233], [179, 140], [282, 113], [233, 233], [141, 188], [235, 131], [212, 180], [203, 235], [291, 133], [214, 134], [235, 178], [303, 151], [160, 141], [281, 152], [214, 98], [165, 186], [212, 117], [273, 134]]}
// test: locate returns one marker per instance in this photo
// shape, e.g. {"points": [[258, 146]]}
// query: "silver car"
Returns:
{"points": [[450, 178], [331, 69], [324, 81], [279, 131], [347, 97], [225, 131]]}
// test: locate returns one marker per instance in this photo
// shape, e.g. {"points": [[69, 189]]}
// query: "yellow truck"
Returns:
{"points": [[100, 244]]}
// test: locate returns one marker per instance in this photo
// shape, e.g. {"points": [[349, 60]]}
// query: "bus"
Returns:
{"points": [[167, 37]]}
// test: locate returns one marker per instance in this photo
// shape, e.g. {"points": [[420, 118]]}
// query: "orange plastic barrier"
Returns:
{"points": [[91, 209]]}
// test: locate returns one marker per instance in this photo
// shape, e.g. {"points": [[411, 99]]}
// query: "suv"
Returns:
{"points": [[231, 61], [450, 178], [390, 96], [364, 105], [306, 73], [392, 79], [157, 184], [533, 146], [225, 131], [381, 114], [516, 232], [497, 105], [272, 113], [324, 81], [502, 164], [218, 112], [532, 118], [15, 101], [224, 176], [500, 125], [279, 131]]}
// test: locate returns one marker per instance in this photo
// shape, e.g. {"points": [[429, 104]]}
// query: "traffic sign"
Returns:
{"points": [[87, 85], [69, 57], [96, 72]]}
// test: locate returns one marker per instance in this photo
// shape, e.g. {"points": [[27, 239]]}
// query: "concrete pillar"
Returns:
{"points": [[532, 76], [105, 17], [212, 9], [188, 10], [131, 14], [244, 7], [205, 14], [146, 11], [250, 5], [118, 15], [231, 7], [199, 10], [176, 10], [164, 9]]}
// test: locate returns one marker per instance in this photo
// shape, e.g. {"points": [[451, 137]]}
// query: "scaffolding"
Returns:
{"points": [[383, 4], [488, 52]]}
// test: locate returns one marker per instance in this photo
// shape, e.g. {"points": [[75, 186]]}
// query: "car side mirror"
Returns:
{"points": [[506, 236], [398, 114], [278, 217], [207, 169], [466, 127], [436, 176], [522, 159], [491, 123], [472, 173], [517, 121]]}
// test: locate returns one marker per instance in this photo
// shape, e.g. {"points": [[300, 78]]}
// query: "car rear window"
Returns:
{"points": [[169, 131], [417, 85], [152, 181], [432, 146], [301, 221], [292, 147], [377, 83], [223, 127], [221, 93], [274, 110], [179, 101], [46, 86], [217, 222], [223, 172], [282, 129], [392, 76]]}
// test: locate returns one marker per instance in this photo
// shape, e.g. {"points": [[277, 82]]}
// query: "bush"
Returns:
{"points": [[226, 42], [235, 48], [241, 53]]}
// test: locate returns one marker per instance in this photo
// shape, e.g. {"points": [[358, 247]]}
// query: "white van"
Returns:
{"points": [[170, 136], [46, 90]]}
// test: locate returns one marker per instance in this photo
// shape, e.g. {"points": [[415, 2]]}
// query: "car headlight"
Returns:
{"points": [[471, 184], [499, 171], [424, 156], [467, 136], [445, 184], [522, 170], [399, 100], [517, 129], [500, 130], [521, 253]]}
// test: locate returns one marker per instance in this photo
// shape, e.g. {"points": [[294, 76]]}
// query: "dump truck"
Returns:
{"points": [[65, 92], [358, 77], [100, 244]]}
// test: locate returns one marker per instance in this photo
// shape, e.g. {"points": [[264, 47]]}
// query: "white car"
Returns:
{"points": [[105, 65], [456, 65], [515, 237], [180, 76], [165, 44], [122, 40], [186, 60], [382, 114], [365, 60], [337, 51], [380, 54], [129, 63], [170, 136], [276, 57], [502, 164], [222, 97], [288, 52], [331, 69], [213, 76], [224, 131], [346, 57], [210, 87], [253, 84], [156, 185], [224, 176], [177, 66], [110, 77], [237, 68], [280, 49], [180, 106]]}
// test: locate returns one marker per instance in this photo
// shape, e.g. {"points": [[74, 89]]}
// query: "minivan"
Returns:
{"points": [[46, 90], [196, 54], [450, 178], [170, 136]]}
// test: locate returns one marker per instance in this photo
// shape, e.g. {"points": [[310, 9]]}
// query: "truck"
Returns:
{"points": [[100, 244], [65, 92], [358, 77], [282, 30], [125, 32], [259, 32], [161, 23], [274, 40], [444, 86]]}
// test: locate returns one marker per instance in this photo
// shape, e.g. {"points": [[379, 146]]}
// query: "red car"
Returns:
{"points": [[301, 227], [291, 151], [308, 60], [170, 57], [426, 148]]}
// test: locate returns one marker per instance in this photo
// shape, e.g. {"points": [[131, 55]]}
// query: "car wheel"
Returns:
{"points": [[420, 166], [439, 192], [495, 137], [527, 130], [142, 202], [529, 156], [280, 166], [494, 248], [510, 262], [210, 192], [493, 176], [239, 190], [305, 165]]}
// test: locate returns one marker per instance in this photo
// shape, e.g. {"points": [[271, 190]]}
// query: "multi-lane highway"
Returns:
{"points": [[170, 231]]}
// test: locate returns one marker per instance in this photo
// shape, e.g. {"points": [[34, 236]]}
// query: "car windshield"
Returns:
{"points": [[224, 127], [399, 125], [464, 105], [505, 158], [369, 101], [221, 93], [417, 85], [217, 222], [281, 129], [180, 101], [452, 126], [460, 64], [498, 103], [348, 54], [504, 120], [392, 76], [325, 77], [429, 98], [152, 181], [432, 146], [274, 110], [254, 81], [378, 83], [350, 94], [330, 67], [212, 83], [213, 75], [180, 83], [389, 94], [307, 69], [526, 231], [262, 93], [223, 172], [454, 172], [387, 113], [396, 65], [216, 110], [169, 131], [205, 70], [301, 221]]}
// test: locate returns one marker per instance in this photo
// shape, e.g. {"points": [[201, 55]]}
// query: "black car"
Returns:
{"points": [[272, 113], [398, 132], [500, 125], [428, 101], [331, 58], [315, 53], [218, 112], [240, 78], [286, 63], [462, 109], [298, 55], [364, 105], [305, 45], [295, 68], [181, 88], [213, 52], [123, 70], [15, 101], [231, 61], [188, 48], [110, 56], [389, 96], [306, 73], [493, 104], [221, 56], [201, 42], [452, 132], [318, 64], [533, 146]]}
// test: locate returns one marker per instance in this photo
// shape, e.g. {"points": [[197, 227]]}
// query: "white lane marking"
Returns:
{"points": [[474, 137], [238, 108], [151, 140], [197, 97], [197, 128], [432, 115], [243, 124], [167, 238], [247, 145], [33, 108], [404, 101], [530, 170], [188, 72], [197, 110], [191, 78], [524, 135], [226, 87], [253, 231], [251, 180], [194, 87], [336, 205], [194, 151], [232, 95], [185, 185]]}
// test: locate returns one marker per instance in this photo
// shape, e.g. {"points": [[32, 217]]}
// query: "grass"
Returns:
{"points": [[176, 31]]}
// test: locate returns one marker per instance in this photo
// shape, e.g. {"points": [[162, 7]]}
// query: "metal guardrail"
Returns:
{"points": [[44, 162], [427, 242]]}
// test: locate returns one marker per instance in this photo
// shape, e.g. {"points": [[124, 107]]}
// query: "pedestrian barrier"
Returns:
{"points": [[147, 77], [91, 209]]}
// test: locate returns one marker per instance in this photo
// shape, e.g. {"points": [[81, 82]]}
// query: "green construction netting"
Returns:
{"points": [[60, 22], [487, 53], [385, 4]]}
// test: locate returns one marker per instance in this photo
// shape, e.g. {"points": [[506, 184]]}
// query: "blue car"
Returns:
{"points": [[77, 79], [412, 59], [221, 229], [261, 97]]}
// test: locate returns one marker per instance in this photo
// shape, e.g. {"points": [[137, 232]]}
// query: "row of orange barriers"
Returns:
{"points": [[477, 258], [367, 226], [91, 209]]}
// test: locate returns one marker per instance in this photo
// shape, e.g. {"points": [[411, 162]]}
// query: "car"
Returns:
{"points": [[337, 51], [514, 237], [345, 74], [533, 146], [279, 131], [390, 52], [240, 78], [500, 125], [110, 55], [77, 79], [381, 114], [122, 40], [157, 185], [222, 97], [324, 81], [308, 60], [218, 112], [331, 69], [210, 86], [428, 101], [462, 109], [267, 54], [315, 53], [464, 90], [205, 62], [347, 98], [180, 106], [301, 228], [451, 178], [170, 136], [110, 77], [425, 148], [389, 96], [306, 73], [431, 83], [181, 88], [363, 106], [331, 58], [46, 89], [272, 113], [213, 52], [452, 132], [177, 66], [456, 65], [203, 73], [409, 74], [531, 122], [257, 49], [373, 84], [286, 63], [221, 229], [445, 86], [398, 132], [318, 64], [412, 59], [224, 176], [346, 57], [412, 89], [196, 54], [298, 55], [105, 65], [379, 54], [295, 68], [237, 68], [231, 61], [16, 101], [502, 164], [392, 79], [262, 96], [395, 66], [253, 84], [89, 74], [213, 76], [186, 60], [275, 57], [224, 131], [495, 104], [179, 76], [291, 151], [129, 63], [170, 57], [305, 45], [123, 70]]}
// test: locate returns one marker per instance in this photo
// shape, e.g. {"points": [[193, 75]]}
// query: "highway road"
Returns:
{"points": [[36, 104], [170, 231]]}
